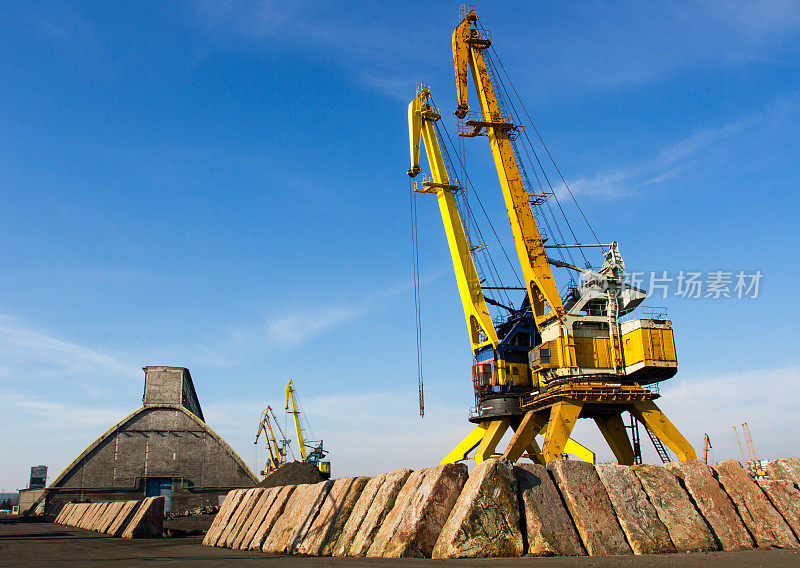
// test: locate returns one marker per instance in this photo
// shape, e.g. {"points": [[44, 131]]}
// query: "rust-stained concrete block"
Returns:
{"points": [[237, 521], [422, 519], [638, 518], [62, 514], [357, 515], [90, 510], [96, 510], [81, 510], [274, 513], [687, 529], [381, 505], [713, 503], [225, 531], [253, 521], [395, 515], [549, 526], [302, 507], [121, 520], [591, 509], [484, 521], [785, 496], [784, 469], [148, 521], [333, 513], [307, 515], [763, 521], [65, 513], [224, 511], [223, 516], [108, 517], [104, 507]]}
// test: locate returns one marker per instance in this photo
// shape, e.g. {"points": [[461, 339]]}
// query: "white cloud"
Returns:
{"points": [[29, 355], [295, 328], [666, 165]]}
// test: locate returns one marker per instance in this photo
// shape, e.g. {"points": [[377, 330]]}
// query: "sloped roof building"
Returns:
{"points": [[162, 448]]}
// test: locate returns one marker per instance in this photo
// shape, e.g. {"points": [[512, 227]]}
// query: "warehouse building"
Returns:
{"points": [[163, 448]]}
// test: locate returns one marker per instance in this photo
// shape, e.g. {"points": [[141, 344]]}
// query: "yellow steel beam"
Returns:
{"points": [[465, 446], [491, 438], [524, 434], [563, 416], [579, 450], [656, 421], [479, 322], [539, 281], [613, 430]]}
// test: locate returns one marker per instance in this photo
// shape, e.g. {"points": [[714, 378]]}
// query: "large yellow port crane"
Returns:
{"points": [[554, 359]]}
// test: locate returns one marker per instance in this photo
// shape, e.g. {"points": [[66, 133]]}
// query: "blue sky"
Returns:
{"points": [[221, 185]]}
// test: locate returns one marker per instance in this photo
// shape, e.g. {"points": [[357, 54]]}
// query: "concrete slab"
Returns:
{"points": [[381, 505], [785, 496], [223, 517], [484, 521], [590, 507], [422, 520], [549, 527], [121, 521], [639, 520], [308, 513], [148, 521], [765, 523], [332, 515], [784, 469], [275, 512], [301, 505], [357, 515], [713, 503], [687, 529], [237, 521], [253, 521]]}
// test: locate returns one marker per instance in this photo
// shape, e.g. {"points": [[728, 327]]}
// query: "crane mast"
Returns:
{"points": [[310, 451], [277, 454], [554, 359]]}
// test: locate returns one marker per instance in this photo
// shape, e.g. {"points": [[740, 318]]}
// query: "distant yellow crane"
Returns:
{"points": [[310, 451], [277, 453]]}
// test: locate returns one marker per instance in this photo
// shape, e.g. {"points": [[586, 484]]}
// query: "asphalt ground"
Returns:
{"points": [[49, 545]]}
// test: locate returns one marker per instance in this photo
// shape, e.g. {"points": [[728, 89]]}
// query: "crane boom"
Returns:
{"points": [[277, 457], [290, 398], [421, 119], [539, 281]]}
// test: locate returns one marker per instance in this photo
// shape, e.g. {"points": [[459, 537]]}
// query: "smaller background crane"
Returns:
{"points": [[751, 462], [277, 452], [311, 451]]}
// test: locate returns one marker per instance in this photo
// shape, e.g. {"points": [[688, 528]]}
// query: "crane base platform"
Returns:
{"points": [[553, 414]]}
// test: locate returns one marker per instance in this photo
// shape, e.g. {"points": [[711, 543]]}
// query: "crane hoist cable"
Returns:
{"points": [[536, 130], [417, 294]]}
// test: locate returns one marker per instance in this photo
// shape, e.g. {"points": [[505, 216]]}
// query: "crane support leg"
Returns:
{"points": [[578, 449], [524, 434], [466, 445], [651, 416], [494, 433], [563, 416], [613, 430]]}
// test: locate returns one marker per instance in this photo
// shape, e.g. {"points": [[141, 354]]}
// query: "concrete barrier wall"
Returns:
{"points": [[126, 519], [568, 508]]}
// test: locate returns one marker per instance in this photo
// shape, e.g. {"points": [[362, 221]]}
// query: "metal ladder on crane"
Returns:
{"points": [[661, 450]]}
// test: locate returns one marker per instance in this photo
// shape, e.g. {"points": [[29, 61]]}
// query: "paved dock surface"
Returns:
{"points": [[50, 545]]}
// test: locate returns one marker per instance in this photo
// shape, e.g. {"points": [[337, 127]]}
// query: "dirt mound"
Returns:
{"points": [[293, 473]]}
